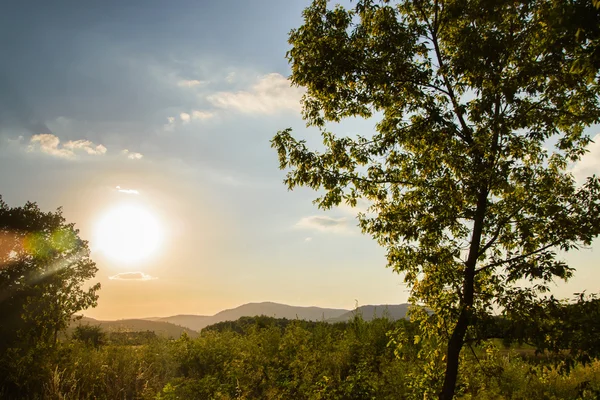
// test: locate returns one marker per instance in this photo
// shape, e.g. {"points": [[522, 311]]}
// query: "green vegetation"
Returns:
{"points": [[43, 267], [267, 358], [479, 108], [161, 328], [552, 354]]}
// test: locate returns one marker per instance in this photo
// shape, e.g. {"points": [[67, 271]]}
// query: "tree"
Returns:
{"points": [[43, 268], [569, 329], [91, 335], [479, 116]]}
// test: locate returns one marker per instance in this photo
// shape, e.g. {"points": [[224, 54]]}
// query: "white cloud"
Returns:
{"points": [[589, 163], [133, 155], [191, 83], [132, 276], [324, 224], [50, 144], [185, 117], [197, 114], [230, 78], [126, 191], [86, 146], [270, 94], [308, 239]]}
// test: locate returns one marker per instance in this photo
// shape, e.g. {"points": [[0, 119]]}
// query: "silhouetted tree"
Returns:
{"points": [[43, 267]]}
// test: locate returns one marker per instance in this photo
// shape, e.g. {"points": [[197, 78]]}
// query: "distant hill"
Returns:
{"points": [[391, 311], [194, 322], [174, 325], [277, 310], [269, 309], [161, 328]]}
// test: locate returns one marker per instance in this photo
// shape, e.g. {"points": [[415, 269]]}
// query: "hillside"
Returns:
{"points": [[269, 309], [391, 311], [194, 322], [174, 325], [161, 328], [277, 310]]}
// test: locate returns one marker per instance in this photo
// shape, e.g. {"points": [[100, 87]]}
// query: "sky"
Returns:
{"points": [[168, 108]]}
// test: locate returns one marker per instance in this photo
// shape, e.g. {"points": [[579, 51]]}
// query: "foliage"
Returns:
{"points": [[43, 267], [91, 335], [244, 324], [300, 361], [571, 329], [583, 20], [111, 371], [342, 361], [131, 338], [480, 113]]}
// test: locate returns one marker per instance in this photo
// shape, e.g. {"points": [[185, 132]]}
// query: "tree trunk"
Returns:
{"points": [[457, 339], [455, 345]]}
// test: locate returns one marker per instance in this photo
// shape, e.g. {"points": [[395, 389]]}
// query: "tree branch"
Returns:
{"points": [[522, 256], [466, 136], [367, 180], [496, 234]]}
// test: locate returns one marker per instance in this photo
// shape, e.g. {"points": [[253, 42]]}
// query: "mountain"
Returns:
{"points": [[161, 328], [270, 309], [175, 325], [277, 310], [391, 311], [194, 322]]}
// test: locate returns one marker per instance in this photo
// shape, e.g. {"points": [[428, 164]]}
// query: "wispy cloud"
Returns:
{"points": [[324, 224], [133, 155], [170, 125], [200, 115], [271, 93], [308, 239], [132, 276], [50, 144], [589, 163], [126, 191], [191, 83], [15, 141], [187, 117], [362, 206]]}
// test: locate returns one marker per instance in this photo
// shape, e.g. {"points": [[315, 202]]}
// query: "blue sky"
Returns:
{"points": [[175, 103]]}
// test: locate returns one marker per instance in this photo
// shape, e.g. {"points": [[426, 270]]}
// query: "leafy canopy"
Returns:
{"points": [[480, 112], [43, 268]]}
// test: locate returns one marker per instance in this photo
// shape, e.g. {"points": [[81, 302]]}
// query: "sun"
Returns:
{"points": [[128, 233]]}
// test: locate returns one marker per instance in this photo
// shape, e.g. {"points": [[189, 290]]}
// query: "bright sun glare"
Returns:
{"points": [[128, 233]]}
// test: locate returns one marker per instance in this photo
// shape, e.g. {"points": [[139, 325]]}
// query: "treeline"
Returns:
{"points": [[267, 358], [244, 325]]}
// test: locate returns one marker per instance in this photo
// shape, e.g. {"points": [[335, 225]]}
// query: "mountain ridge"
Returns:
{"points": [[161, 328], [278, 310]]}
